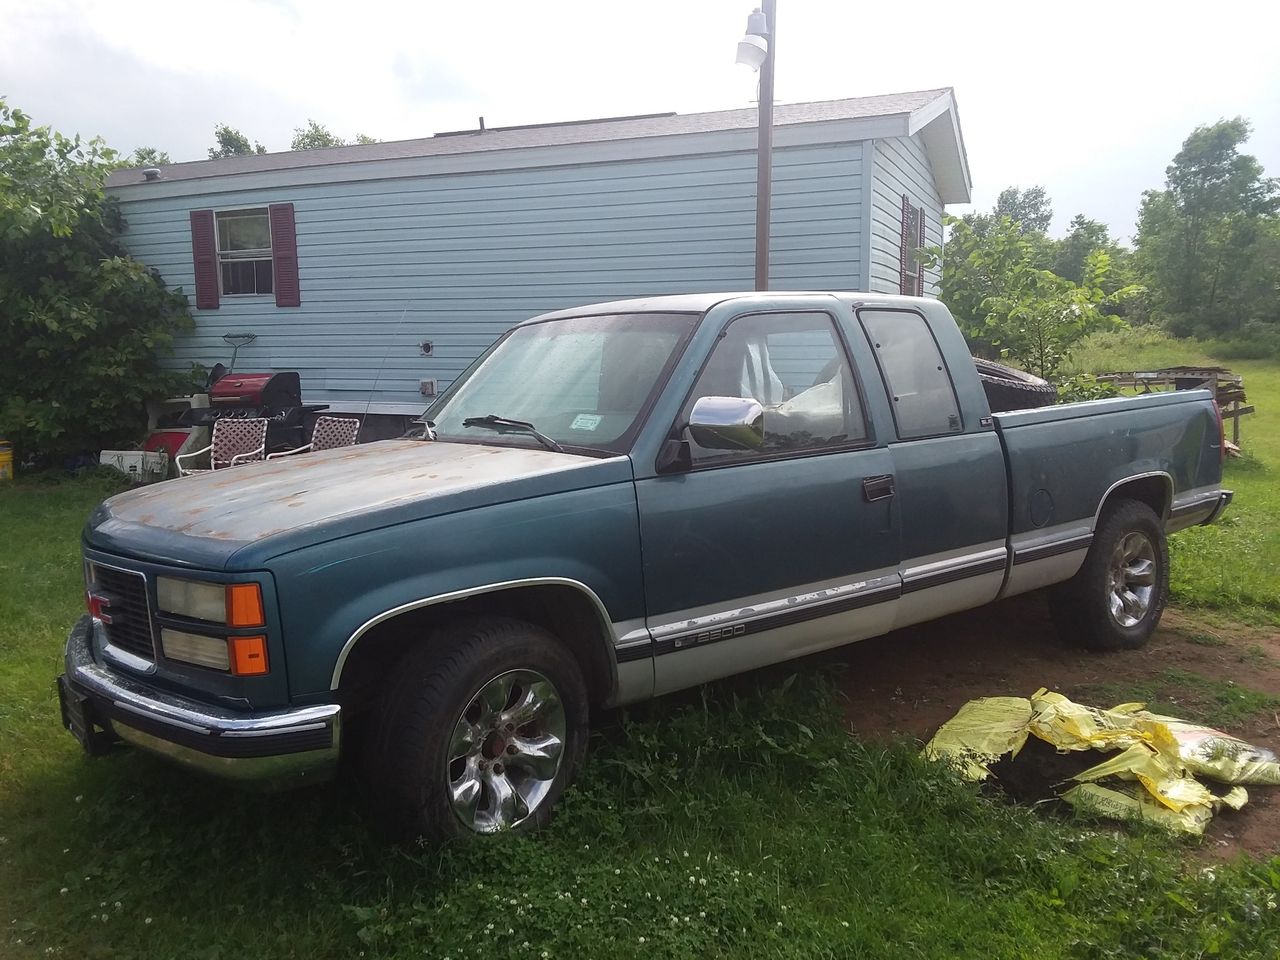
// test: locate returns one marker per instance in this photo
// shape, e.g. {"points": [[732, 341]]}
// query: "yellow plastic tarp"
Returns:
{"points": [[984, 730], [1151, 776]]}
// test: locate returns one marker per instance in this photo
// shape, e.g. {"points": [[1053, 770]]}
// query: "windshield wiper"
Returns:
{"points": [[501, 424]]}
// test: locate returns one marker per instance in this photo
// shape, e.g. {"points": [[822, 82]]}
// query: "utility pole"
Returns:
{"points": [[764, 148]]}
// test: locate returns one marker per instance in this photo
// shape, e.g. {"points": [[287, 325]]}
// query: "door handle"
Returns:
{"points": [[877, 488]]}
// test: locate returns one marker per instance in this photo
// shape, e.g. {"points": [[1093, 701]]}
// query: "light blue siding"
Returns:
{"points": [[457, 258], [901, 166]]}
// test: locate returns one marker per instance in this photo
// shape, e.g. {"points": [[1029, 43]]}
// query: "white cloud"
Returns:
{"points": [[1090, 99]]}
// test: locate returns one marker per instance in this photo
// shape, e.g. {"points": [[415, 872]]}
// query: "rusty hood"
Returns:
{"points": [[240, 517]]}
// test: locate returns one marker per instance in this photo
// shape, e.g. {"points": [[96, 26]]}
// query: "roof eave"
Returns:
{"points": [[938, 124]]}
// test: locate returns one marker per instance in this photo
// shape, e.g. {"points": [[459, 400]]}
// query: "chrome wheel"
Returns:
{"points": [[505, 751], [1132, 579]]}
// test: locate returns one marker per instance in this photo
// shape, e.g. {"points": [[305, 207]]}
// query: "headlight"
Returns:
{"points": [[193, 648], [234, 605], [191, 598]]}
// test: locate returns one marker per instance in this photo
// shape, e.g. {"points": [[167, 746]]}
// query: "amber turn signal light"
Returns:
{"points": [[248, 656], [244, 606]]}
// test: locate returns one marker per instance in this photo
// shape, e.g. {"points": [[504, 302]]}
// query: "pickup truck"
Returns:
{"points": [[613, 502]]}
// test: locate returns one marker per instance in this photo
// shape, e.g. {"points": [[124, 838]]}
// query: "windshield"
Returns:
{"points": [[582, 381]]}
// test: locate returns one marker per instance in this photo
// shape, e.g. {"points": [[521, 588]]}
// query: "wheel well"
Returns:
{"points": [[1152, 490], [564, 611]]}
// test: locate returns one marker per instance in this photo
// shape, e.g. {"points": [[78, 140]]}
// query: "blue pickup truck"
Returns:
{"points": [[614, 502]]}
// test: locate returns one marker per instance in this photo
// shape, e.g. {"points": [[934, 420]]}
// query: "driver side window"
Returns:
{"points": [[794, 365]]}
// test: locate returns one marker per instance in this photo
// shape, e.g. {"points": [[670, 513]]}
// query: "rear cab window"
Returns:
{"points": [[916, 379]]}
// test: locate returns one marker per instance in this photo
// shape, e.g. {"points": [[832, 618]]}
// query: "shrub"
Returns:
{"points": [[83, 326]]}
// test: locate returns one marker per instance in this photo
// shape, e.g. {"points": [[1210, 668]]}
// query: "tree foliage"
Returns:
{"points": [[1008, 305], [314, 136], [232, 143], [1030, 209], [1206, 242], [82, 325], [148, 157]]}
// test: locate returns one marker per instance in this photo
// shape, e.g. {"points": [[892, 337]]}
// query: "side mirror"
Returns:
{"points": [[727, 423]]}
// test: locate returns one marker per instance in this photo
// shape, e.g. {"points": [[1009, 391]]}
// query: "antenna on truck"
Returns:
{"points": [[382, 365]]}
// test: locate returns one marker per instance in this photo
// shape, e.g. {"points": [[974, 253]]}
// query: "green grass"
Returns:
{"points": [[1190, 696], [741, 820], [1233, 565]]}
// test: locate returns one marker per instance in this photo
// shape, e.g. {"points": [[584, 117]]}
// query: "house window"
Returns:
{"points": [[244, 252], [912, 241]]}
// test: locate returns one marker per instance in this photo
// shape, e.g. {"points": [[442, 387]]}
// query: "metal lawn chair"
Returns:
{"points": [[329, 433], [235, 441]]}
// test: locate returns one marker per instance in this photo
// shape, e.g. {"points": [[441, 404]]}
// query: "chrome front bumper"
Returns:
{"points": [[282, 745]]}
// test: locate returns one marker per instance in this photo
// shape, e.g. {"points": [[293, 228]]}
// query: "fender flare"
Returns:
{"points": [[606, 624]]}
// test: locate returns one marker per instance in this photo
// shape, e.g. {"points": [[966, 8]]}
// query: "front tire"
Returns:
{"points": [[483, 727], [1116, 599]]}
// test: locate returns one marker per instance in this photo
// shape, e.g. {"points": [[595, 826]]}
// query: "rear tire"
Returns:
{"points": [[481, 729], [1116, 599], [1009, 388]]}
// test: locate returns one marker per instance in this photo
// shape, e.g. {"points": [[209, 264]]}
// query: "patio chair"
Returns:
{"points": [[234, 441], [329, 433]]}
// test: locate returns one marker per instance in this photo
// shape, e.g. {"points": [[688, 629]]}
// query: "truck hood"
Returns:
{"points": [[241, 517]]}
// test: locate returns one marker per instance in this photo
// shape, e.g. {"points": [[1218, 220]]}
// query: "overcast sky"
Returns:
{"points": [[1089, 99]]}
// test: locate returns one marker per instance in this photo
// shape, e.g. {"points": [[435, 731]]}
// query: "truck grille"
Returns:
{"points": [[130, 626]]}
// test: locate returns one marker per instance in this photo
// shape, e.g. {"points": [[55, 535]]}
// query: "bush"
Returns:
{"points": [[82, 325]]}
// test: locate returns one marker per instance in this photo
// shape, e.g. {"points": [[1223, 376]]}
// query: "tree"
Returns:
{"points": [[1008, 306], [1084, 236], [83, 326], [1202, 235], [365, 138], [232, 143], [148, 157], [314, 136], [1029, 208]]}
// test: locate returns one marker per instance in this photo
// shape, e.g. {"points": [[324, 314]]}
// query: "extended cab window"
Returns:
{"points": [[920, 391], [795, 366]]}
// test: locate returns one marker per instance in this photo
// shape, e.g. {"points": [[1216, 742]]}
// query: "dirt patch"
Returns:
{"points": [[910, 682]]}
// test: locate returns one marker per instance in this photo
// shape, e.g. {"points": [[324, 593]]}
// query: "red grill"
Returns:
{"points": [[275, 396]]}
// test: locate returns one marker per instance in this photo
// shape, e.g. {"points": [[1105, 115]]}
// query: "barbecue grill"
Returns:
{"points": [[277, 397]]}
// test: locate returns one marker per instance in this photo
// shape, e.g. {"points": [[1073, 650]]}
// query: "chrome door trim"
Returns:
{"points": [[761, 614], [372, 622], [939, 569]]}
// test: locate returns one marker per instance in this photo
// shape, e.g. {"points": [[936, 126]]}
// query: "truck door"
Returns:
{"points": [[952, 489], [755, 556]]}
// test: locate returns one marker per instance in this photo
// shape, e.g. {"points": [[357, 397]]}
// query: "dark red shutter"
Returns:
{"points": [[204, 252], [920, 267], [284, 255], [904, 281]]}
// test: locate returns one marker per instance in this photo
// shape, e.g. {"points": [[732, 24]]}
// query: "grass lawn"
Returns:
{"points": [[738, 820]]}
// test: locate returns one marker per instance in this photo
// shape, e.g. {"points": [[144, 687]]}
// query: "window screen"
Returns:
{"points": [[795, 366], [923, 400]]}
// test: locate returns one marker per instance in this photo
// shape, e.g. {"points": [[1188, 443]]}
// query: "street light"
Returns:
{"points": [[756, 50]]}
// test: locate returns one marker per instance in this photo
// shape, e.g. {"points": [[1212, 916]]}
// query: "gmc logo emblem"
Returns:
{"points": [[99, 606]]}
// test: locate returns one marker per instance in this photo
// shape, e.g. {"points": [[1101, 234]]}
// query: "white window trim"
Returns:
{"points": [[217, 251]]}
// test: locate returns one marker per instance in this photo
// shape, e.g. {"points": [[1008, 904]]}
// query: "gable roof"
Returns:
{"points": [[929, 112]]}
